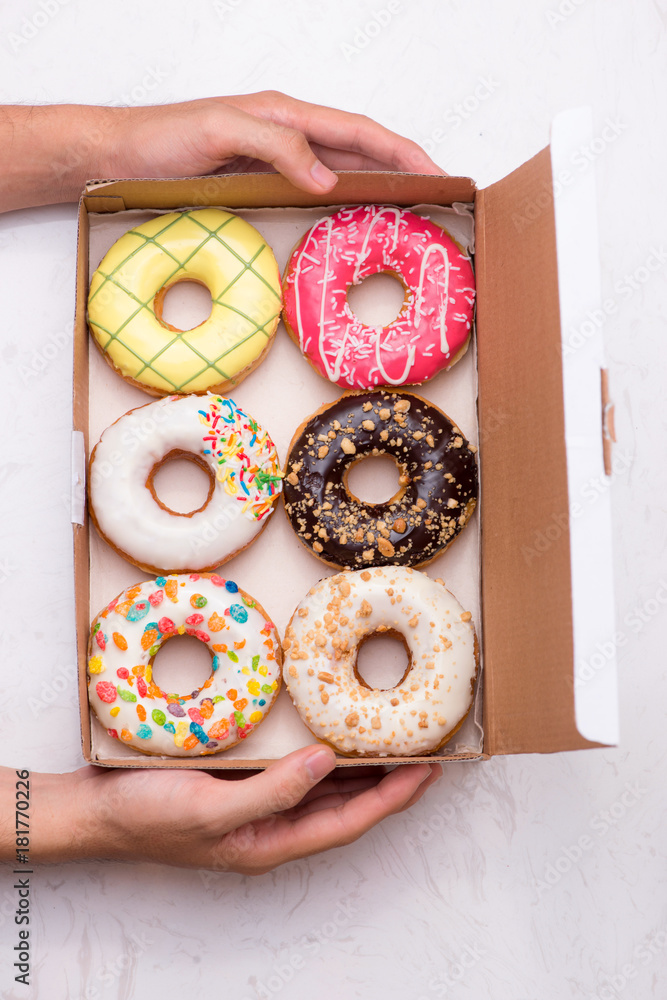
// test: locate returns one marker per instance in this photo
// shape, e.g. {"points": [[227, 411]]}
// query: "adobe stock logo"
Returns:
{"points": [[32, 25]]}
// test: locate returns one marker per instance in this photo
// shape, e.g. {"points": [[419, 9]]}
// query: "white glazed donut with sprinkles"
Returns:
{"points": [[432, 699], [232, 702], [238, 456]]}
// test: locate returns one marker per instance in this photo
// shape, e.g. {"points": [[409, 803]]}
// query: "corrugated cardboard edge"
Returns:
{"points": [[526, 585], [80, 423], [608, 422]]}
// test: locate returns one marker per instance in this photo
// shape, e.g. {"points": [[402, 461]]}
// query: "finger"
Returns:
{"points": [[332, 800], [341, 130], [280, 787], [344, 159], [321, 830], [346, 778], [286, 148], [436, 773]]}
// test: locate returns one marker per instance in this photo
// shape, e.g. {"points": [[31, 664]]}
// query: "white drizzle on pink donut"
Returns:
{"points": [[434, 324]]}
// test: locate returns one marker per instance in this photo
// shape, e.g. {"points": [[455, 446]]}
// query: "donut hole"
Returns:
{"points": [[374, 479], [383, 660], [181, 483], [378, 299], [183, 305], [181, 665]]}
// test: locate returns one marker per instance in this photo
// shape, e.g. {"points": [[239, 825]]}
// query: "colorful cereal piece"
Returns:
{"points": [[216, 623], [198, 601], [158, 717], [96, 665], [138, 611], [144, 732], [156, 598], [120, 640], [197, 731], [106, 691], [206, 708], [238, 613], [141, 712], [181, 734], [219, 730], [149, 637]]}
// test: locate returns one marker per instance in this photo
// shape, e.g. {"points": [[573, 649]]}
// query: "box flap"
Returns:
{"points": [[588, 417], [526, 580], [255, 190]]}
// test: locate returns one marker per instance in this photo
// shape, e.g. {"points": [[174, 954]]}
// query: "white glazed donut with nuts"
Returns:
{"points": [[430, 702]]}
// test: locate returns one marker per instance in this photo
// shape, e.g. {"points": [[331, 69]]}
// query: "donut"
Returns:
{"points": [[238, 455], [430, 333], [230, 704], [437, 482], [207, 246], [427, 706]]}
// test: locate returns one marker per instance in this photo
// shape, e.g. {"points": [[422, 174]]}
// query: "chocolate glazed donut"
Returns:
{"points": [[437, 481]]}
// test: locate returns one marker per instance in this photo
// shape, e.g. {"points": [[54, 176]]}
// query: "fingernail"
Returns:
{"points": [[322, 176], [319, 763]]}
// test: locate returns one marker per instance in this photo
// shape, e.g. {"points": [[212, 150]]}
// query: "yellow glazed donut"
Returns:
{"points": [[208, 246]]}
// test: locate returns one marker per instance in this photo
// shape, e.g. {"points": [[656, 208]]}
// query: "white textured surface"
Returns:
{"points": [[451, 898]]}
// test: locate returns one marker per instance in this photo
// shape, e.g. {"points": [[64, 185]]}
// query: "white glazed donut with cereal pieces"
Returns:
{"points": [[430, 702], [236, 697]]}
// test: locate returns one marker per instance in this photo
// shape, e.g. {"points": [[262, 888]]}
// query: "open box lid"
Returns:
{"points": [[547, 581]]}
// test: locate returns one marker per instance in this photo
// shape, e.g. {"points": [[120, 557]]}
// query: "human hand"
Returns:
{"points": [[199, 819], [47, 153], [260, 132]]}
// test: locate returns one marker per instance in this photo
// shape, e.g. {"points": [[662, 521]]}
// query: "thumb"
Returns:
{"points": [[281, 786]]}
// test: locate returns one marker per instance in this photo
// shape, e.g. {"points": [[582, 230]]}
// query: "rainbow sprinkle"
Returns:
{"points": [[245, 455]]}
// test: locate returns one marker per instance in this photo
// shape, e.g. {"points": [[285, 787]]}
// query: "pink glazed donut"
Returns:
{"points": [[430, 333]]}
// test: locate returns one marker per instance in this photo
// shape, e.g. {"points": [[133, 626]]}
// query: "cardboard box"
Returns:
{"points": [[546, 586]]}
